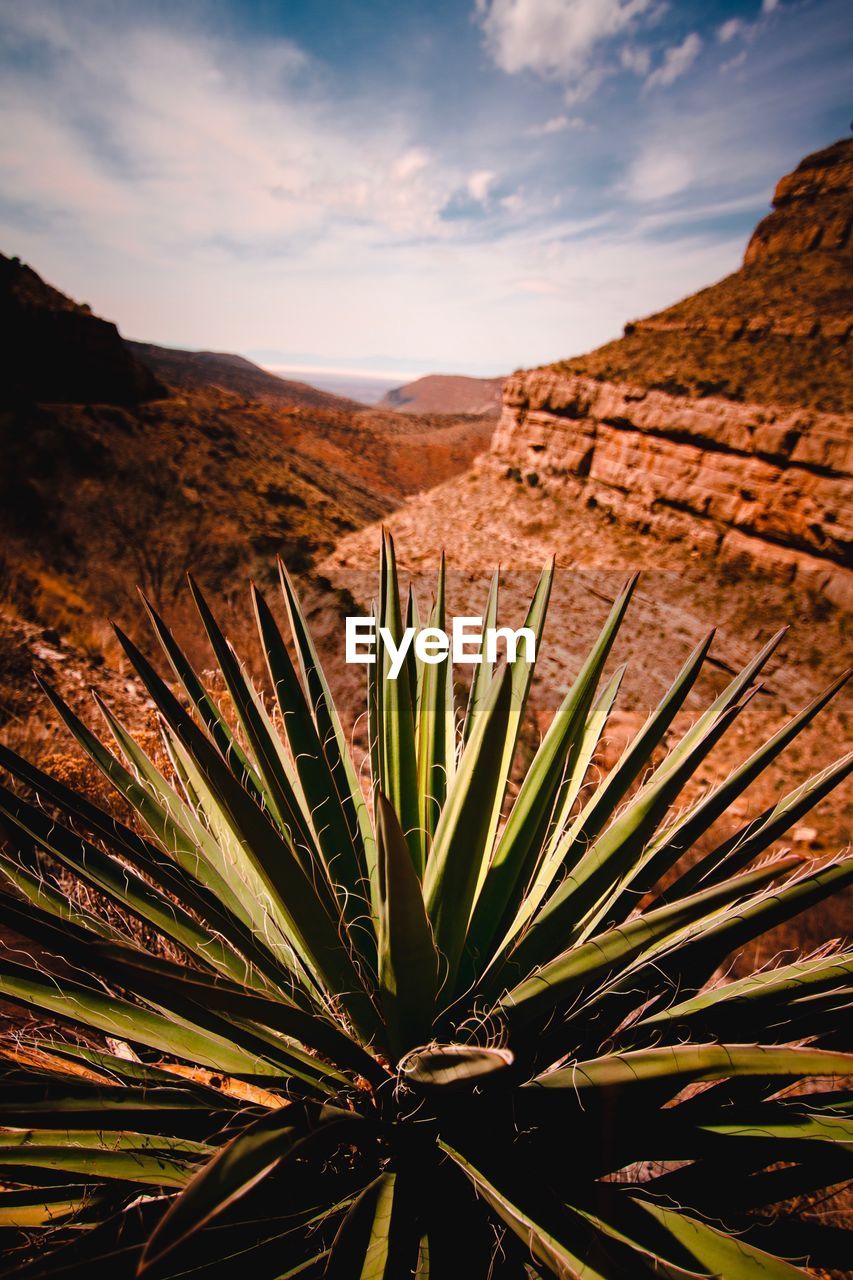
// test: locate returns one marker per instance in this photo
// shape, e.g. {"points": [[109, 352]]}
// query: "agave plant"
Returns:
{"points": [[409, 1028]]}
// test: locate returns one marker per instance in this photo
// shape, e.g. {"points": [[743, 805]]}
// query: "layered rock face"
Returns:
{"points": [[765, 478], [736, 480]]}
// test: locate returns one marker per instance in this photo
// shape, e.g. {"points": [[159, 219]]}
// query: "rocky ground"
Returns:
{"points": [[500, 520]]}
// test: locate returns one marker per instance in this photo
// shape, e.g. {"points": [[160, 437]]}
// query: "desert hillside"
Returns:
{"points": [[774, 332], [724, 421], [56, 350], [127, 465], [192, 370], [446, 393]]}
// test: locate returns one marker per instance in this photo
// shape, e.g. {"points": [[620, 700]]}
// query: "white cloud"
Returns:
{"points": [[698, 212], [412, 162], [557, 124], [730, 30], [585, 84], [769, 6], [657, 174], [215, 144], [637, 59], [479, 184], [513, 202], [676, 61], [733, 63], [553, 37]]}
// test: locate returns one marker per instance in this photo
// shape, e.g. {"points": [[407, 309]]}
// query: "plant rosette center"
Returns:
{"points": [[440, 1083]]}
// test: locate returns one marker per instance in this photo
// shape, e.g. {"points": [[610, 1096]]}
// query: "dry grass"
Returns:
{"points": [[764, 368]]}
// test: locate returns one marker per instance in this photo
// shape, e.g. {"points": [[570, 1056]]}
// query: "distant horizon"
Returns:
{"points": [[364, 367], [478, 187], [368, 370], [358, 384], [367, 366], [333, 370]]}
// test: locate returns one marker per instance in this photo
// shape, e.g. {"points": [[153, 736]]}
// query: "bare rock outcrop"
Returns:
{"points": [[772, 485], [811, 208]]}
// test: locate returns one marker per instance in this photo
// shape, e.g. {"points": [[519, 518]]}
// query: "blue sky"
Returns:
{"points": [[463, 186]]}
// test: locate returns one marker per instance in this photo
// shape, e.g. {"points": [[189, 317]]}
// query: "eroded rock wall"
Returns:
{"points": [[735, 480]]}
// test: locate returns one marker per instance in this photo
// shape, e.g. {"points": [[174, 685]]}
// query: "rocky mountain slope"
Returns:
{"points": [[192, 370], [55, 350], [728, 419], [126, 465], [735, 502], [774, 332], [755, 466], [446, 393], [770, 484]]}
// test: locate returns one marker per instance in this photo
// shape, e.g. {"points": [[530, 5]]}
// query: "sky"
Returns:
{"points": [[400, 186]]}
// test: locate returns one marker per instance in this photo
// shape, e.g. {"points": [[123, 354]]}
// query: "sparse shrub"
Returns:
{"points": [[405, 1036]]}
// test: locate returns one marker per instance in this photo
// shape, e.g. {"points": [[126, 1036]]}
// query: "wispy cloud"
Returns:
{"points": [[556, 124], [636, 58], [207, 146], [732, 64], [657, 174], [676, 62], [730, 29]]}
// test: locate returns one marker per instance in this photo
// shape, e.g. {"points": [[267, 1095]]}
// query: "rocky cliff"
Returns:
{"points": [[811, 208], [727, 420], [774, 332]]}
